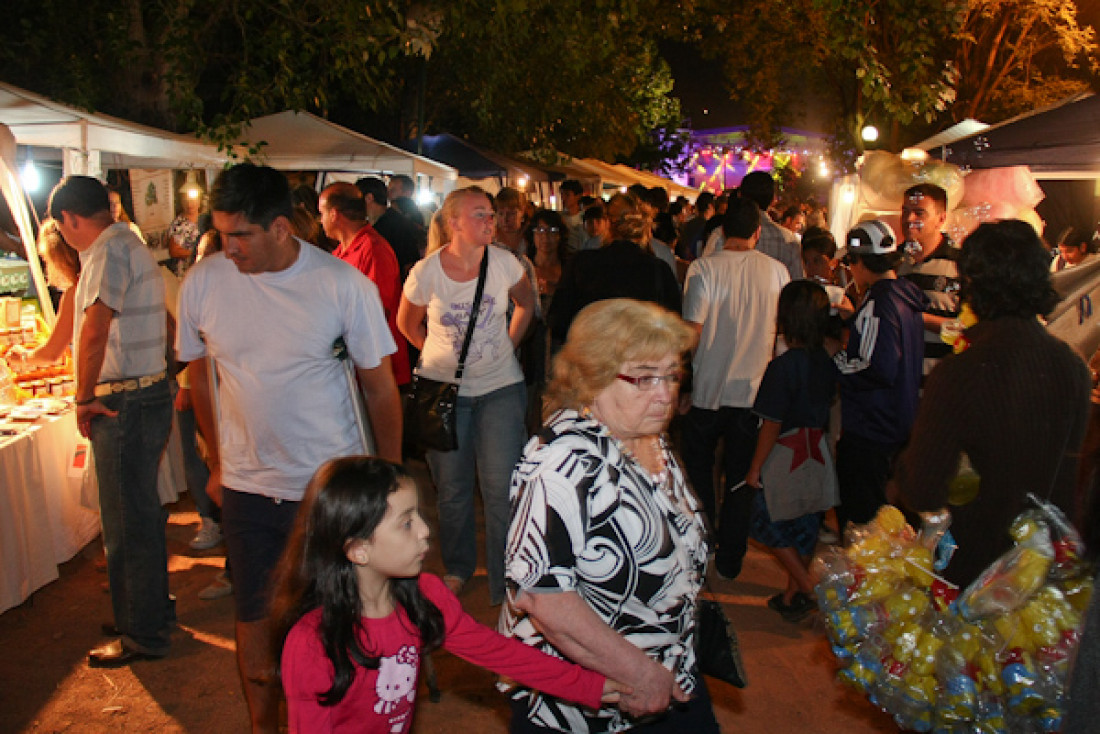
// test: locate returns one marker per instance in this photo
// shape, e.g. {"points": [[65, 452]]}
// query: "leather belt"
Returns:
{"points": [[132, 383]]}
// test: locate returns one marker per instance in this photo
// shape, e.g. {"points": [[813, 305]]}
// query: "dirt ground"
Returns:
{"points": [[47, 686]]}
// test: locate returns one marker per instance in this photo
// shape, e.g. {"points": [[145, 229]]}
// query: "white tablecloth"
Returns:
{"points": [[48, 511], [45, 517]]}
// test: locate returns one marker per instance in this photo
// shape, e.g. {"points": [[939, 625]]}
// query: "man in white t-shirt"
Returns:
{"points": [[268, 310], [731, 299]]}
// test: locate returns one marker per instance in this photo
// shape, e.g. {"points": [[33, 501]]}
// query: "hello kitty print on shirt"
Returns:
{"points": [[396, 681]]}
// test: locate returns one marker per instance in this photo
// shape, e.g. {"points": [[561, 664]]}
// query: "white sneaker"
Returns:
{"points": [[209, 535]]}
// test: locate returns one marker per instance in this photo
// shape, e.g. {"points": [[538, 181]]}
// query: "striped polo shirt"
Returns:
{"points": [[119, 270]]}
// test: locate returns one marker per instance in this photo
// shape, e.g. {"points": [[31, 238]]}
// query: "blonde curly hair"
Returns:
{"points": [[605, 336]]}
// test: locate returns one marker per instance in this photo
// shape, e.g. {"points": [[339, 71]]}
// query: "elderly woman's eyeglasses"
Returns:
{"points": [[645, 383]]}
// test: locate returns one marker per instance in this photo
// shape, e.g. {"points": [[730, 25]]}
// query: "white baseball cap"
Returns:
{"points": [[873, 237]]}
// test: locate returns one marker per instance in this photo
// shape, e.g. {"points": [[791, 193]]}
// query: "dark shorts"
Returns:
{"points": [[256, 529], [799, 533]]}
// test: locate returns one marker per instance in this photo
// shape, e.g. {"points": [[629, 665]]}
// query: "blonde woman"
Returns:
{"points": [[435, 310]]}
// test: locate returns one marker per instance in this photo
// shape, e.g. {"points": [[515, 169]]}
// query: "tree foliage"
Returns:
{"points": [[578, 76], [1016, 55], [878, 60], [187, 64], [583, 77]]}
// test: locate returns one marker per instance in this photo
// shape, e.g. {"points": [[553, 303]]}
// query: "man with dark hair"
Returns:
{"points": [[571, 192], [931, 262], [597, 228], [124, 407], [730, 299], [268, 309], [1015, 401], [1074, 248], [775, 241], [402, 235], [819, 255], [880, 372], [691, 238], [402, 195], [344, 219], [793, 219]]}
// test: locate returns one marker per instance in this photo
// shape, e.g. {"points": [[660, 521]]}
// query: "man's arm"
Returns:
{"points": [[698, 329], [92, 348], [384, 409], [571, 626], [202, 402]]}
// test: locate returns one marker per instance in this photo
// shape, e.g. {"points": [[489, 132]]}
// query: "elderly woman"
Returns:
{"points": [[1015, 402], [606, 552], [433, 315]]}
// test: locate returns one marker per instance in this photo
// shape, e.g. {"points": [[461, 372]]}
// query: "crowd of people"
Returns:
{"points": [[593, 347]]}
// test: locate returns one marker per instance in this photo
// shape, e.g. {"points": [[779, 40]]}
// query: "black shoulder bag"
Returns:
{"points": [[717, 650], [433, 419]]}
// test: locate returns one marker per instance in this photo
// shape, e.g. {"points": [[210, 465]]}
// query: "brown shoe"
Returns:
{"points": [[116, 654]]}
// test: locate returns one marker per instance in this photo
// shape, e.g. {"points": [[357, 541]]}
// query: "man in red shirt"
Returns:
{"points": [[344, 219]]}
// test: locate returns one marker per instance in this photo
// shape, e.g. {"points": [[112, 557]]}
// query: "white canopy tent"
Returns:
{"points": [[300, 141], [89, 143]]}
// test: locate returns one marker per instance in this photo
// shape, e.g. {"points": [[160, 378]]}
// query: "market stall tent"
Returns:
{"points": [[491, 171], [1060, 144], [89, 143], [301, 141], [1061, 141]]}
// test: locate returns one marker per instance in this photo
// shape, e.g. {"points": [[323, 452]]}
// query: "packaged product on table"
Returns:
{"points": [[994, 659], [31, 381]]}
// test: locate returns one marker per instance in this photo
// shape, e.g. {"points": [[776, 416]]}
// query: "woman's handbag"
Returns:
{"points": [[716, 646], [433, 413], [432, 417]]}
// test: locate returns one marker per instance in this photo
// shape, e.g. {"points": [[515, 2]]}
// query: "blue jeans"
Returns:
{"points": [[195, 471], [128, 449], [490, 439], [737, 427]]}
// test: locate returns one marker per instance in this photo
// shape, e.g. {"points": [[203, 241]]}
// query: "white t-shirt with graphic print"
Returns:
{"points": [[491, 362]]}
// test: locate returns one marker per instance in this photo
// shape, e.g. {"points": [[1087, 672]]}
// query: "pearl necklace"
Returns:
{"points": [[660, 478]]}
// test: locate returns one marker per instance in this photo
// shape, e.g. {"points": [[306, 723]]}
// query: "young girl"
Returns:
{"points": [[793, 400], [353, 614]]}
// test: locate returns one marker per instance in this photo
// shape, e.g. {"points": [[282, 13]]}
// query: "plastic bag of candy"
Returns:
{"points": [[993, 660]]}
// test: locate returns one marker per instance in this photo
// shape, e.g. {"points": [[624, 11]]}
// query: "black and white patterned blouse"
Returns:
{"points": [[587, 518]]}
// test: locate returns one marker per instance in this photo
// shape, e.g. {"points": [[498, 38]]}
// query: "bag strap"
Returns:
{"points": [[473, 314]]}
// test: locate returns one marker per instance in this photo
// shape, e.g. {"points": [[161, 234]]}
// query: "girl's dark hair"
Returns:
{"points": [[1005, 271], [547, 218], [803, 314], [346, 500]]}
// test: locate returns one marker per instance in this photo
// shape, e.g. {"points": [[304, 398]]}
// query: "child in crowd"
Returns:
{"points": [[792, 454], [354, 616]]}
